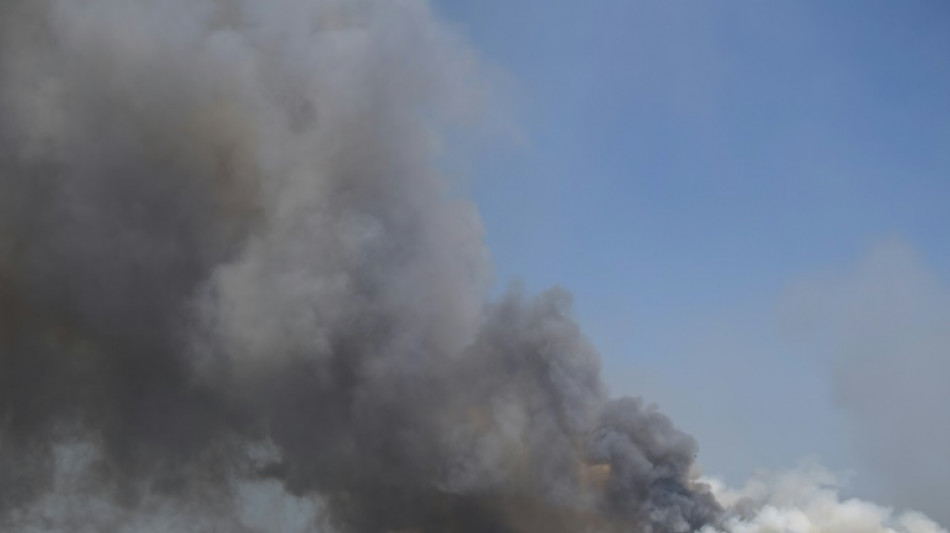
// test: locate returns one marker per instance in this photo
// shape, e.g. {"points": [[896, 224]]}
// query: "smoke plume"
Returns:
{"points": [[885, 324], [806, 500], [229, 263], [237, 294]]}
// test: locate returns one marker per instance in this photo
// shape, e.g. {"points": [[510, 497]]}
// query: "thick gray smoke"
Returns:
{"points": [[229, 267]]}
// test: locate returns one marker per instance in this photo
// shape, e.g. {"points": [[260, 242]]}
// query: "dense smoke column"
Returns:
{"points": [[227, 256], [107, 226]]}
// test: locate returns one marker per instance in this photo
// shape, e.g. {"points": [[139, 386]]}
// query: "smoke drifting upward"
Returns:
{"points": [[886, 324], [227, 258], [808, 500], [231, 274]]}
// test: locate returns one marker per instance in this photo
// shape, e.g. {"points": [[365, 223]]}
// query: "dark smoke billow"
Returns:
{"points": [[228, 263]]}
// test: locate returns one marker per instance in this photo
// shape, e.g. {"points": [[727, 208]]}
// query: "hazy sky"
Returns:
{"points": [[749, 201]]}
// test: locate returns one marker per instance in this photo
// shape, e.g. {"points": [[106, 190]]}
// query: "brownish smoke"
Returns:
{"points": [[227, 257]]}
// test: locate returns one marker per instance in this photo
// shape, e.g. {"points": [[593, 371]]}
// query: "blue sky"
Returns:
{"points": [[690, 166]]}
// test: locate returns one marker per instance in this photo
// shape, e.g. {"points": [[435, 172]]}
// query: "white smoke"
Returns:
{"points": [[808, 500]]}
